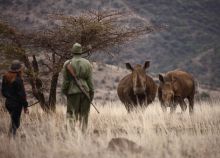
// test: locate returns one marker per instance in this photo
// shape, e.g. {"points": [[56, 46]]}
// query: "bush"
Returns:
{"points": [[203, 96]]}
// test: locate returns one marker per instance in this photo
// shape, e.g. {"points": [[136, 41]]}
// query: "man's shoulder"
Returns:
{"points": [[85, 61], [66, 62]]}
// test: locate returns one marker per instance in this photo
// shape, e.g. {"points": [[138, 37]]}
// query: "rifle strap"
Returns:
{"points": [[70, 69], [78, 82]]}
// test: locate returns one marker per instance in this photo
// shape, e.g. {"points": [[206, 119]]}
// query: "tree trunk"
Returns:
{"points": [[37, 85], [53, 89]]}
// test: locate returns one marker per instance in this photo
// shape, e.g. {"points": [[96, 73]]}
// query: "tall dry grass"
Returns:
{"points": [[160, 135]]}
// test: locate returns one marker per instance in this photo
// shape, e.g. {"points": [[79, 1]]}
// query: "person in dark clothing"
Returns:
{"points": [[14, 92]]}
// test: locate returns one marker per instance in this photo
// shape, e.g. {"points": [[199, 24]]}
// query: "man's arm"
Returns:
{"points": [[66, 82], [90, 83]]}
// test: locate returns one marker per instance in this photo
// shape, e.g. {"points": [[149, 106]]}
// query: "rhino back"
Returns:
{"points": [[184, 84]]}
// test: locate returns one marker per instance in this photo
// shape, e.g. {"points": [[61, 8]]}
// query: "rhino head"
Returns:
{"points": [[139, 81]]}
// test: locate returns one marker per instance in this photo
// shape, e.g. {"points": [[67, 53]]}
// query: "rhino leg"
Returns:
{"points": [[164, 108], [128, 103], [128, 108], [183, 105], [191, 104], [173, 107], [149, 99]]}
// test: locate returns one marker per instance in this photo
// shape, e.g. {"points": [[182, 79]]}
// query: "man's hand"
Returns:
{"points": [[91, 95], [26, 111]]}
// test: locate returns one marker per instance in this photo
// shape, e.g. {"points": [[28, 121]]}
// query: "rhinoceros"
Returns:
{"points": [[174, 87], [137, 88]]}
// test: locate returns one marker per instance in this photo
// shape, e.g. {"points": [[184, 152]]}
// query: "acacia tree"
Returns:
{"points": [[10, 47], [96, 31]]}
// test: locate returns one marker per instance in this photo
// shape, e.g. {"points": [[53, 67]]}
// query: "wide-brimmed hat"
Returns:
{"points": [[77, 48], [16, 66]]}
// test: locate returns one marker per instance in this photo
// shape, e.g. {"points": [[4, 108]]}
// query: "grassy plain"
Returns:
{"points": [[159, 135]]}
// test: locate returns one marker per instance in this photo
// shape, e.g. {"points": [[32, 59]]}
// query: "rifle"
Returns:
{"points": [[79, 85], [33, 104]]}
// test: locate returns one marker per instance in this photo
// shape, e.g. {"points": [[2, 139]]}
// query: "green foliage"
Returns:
{"points": [[96, 31], [11, 51], [6, 30], [204, 96]]}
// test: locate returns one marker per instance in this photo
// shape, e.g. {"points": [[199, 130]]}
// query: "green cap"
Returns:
{"points": [[77, 48]]}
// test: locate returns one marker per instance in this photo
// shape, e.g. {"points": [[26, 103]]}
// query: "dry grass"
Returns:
{"points": [[160, 135]]}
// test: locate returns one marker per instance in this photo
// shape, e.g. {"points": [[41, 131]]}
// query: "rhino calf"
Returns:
{"points": [[137, 88], [174, 87]]}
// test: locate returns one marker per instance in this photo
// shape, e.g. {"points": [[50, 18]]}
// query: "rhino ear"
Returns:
{"points": [[146, 65], [129, 67], [161, 78]]}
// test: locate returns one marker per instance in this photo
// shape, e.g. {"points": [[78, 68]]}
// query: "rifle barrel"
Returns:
{"points": [[95, 108], [34, 104], [79, 85]]}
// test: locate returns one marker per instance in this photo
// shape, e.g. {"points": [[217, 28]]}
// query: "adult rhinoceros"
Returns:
{"points": [[137, 87]]}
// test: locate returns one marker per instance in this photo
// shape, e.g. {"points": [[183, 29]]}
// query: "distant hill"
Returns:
{"points": [[190, 42]]}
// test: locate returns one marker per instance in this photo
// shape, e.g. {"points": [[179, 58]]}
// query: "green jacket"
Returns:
{"points": [[83, 70]]}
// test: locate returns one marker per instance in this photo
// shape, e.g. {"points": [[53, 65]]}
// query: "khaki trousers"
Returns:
{"points": [[78, 107]]}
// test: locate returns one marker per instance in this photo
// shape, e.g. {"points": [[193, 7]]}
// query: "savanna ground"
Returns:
{"points": [[158, 134]]}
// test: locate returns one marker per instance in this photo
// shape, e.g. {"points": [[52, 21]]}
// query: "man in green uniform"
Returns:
{"points": [[78, 104]]}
